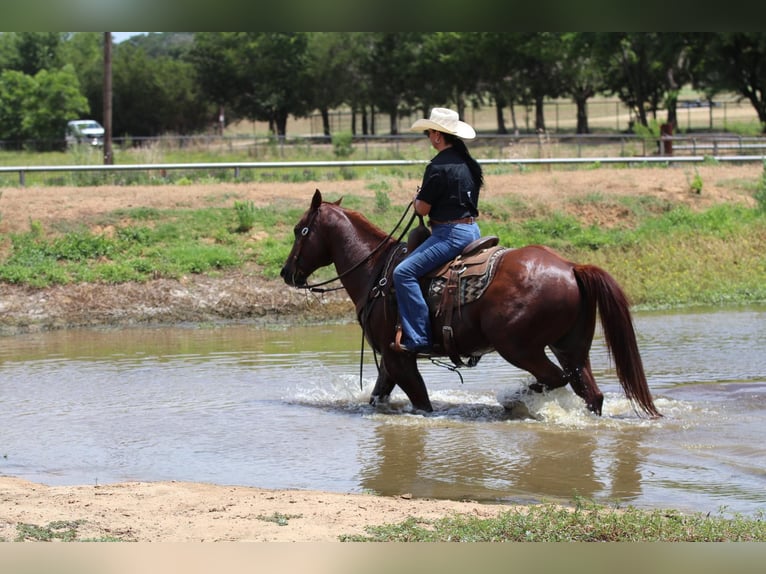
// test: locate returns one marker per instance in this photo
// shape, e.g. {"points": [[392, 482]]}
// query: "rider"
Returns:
{"points": [[449, 195]]}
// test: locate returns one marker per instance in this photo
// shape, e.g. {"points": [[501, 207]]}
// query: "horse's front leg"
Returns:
{"points": [[401, 369], [383, 387]]}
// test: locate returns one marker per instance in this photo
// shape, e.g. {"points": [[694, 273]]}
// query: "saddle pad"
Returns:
{"points": [[471, 286]]}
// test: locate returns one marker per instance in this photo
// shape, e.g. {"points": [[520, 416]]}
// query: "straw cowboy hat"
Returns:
{"points": [[445, 120]]}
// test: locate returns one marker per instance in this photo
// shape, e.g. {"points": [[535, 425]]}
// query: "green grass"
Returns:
{"points": [[668, 256], [663, 254], [279, 518], [585, 522], [56, 531]]}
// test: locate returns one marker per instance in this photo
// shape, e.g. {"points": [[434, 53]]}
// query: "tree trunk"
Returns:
{"points": [[539, 114], [281, 121], [325, 121], [461, 106], [582, 115], [372, 120], [514, 123], [394, 126], [499, 105]]}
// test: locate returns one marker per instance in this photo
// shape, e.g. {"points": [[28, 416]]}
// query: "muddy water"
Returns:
{"points": [[284, 409]]}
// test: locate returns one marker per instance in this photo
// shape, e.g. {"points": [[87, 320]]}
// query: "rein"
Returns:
{"points": [[362, 314], [315, 288]]}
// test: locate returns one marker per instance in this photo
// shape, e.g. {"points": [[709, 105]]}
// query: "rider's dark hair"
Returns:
{"points": [[473, 166]]}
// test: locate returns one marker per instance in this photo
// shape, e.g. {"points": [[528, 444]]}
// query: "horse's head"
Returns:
{"points": [[311, 247]]}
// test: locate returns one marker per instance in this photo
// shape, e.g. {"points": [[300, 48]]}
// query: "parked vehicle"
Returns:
{"points": [[84, 132]]}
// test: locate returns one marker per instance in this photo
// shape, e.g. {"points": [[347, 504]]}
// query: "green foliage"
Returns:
{"points": [[695, 185], [342, 144], [270, 67], [382, 201], [651, 131], [555, 230], [38, 107], [183, 242], [15, 89], [279, 518], [382, 189], [665, 256], [63, 530], [56, 531], [586, 522], [246, 215]]}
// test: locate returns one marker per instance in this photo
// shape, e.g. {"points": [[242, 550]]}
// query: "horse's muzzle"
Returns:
{"points": [[292, 278]]}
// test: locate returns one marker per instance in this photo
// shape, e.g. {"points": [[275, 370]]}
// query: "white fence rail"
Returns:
{"points": [[239, 166]]}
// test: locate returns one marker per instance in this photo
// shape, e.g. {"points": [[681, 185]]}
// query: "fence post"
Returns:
{"points": [[22, 178]]}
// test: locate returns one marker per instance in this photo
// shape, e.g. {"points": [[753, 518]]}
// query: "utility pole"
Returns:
{"points": [[108, 159]]}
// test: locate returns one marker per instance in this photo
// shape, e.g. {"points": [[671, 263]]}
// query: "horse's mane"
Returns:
{"points": [[361, 222]]}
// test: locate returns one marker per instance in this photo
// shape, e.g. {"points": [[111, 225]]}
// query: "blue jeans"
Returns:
{"points": [[446, 242]]}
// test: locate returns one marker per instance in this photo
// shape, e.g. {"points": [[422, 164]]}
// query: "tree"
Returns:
{"points": [[540, 71], [391, 71], [645, 70], [448, 70], [38, 108], [16, 89], [735, 61], [154, 96], [36, 51], [500, 56], [55, 100], [329, 68], [260, 75], [85, 52], [581, 77]]}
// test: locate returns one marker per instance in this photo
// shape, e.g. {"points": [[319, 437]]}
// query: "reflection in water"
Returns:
{"points": [[512, 460], [284, 409]]}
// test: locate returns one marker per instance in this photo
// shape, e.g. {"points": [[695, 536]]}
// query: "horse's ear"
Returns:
{"points": [[339, 200], [316, 201]]}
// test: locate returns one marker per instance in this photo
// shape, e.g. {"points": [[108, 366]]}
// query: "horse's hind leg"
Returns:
{"points": [[547, 374], [580, 377]]}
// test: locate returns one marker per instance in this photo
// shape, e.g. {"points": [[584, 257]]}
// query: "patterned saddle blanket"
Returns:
{"points": [[465, 278]]}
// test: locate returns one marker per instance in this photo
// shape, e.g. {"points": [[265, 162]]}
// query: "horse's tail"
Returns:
{"points": [[601, 290]]}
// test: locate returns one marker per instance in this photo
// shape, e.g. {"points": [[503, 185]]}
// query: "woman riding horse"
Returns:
{"points": [[536, 301]]}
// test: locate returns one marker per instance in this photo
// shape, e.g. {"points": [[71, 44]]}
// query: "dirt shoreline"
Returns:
{"points": [[232, 297], [175, 511], [197, 512]]}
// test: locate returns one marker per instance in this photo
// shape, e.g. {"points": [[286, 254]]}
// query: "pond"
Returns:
{"points": [[283, 408]]}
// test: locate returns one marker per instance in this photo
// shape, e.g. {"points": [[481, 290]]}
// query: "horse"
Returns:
{"points": [[536, 300]]}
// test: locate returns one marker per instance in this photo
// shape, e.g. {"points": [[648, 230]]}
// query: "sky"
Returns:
{"points": [[118, 37]]}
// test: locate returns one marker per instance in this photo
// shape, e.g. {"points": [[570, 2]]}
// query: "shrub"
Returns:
{"points": [[245, 215], [342, 144]]}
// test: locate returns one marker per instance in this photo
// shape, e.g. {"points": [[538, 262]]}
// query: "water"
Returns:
{"points": [[284, 409]]}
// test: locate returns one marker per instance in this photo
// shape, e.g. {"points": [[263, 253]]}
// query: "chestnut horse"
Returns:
{"points": [[536, 300]]}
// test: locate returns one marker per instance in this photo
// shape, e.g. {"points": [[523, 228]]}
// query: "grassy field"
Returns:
{"points": [[664, 254], [585, 522]]}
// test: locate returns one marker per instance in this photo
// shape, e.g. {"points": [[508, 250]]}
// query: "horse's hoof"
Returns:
{"points": [[376, 400]]}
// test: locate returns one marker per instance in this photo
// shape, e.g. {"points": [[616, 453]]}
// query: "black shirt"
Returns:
{"points": [[449, 188]]}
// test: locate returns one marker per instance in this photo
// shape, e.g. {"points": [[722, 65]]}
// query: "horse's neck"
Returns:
{"points": [[357, 241]]}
